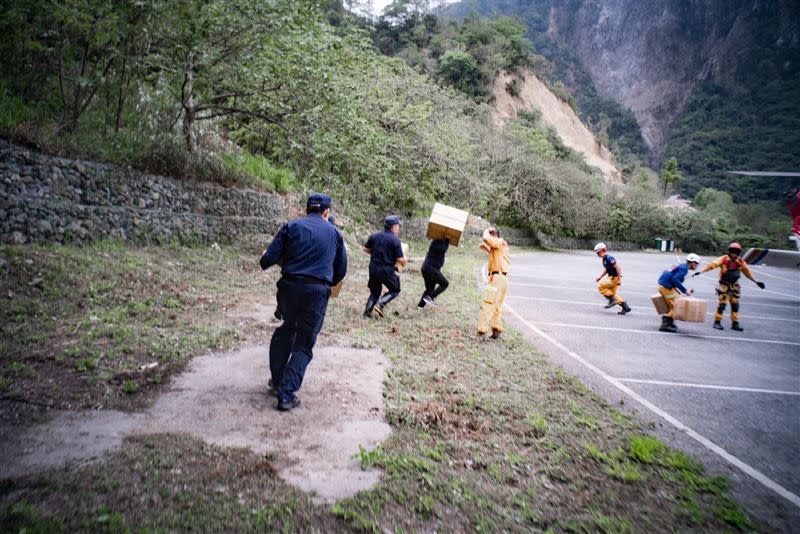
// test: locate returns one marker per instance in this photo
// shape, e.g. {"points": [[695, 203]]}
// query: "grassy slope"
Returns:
{"points": [[487, 436]]}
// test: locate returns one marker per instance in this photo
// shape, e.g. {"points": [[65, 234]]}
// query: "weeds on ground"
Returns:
{"points": [[487, 436]]}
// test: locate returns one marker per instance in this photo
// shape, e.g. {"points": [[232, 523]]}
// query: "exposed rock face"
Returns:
{"points": [[534, 94], [651, 55]]}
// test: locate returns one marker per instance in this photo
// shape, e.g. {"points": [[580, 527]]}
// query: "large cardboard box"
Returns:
{"points": [[446, 221], [660, 303], [397, 265], [691, 309]]}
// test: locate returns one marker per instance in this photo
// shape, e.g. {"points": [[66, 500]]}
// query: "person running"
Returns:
{"points": [[670, 285], [385, 251], [731, 267], [608, 287], [312, 257], [435, 281], [499, 263]]}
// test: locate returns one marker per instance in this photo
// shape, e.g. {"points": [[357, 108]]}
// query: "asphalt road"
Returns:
{"points": [[731, 398]]}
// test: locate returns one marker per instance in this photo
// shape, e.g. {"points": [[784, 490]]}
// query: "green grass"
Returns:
{"points": [[261, 172], [486, 436]]}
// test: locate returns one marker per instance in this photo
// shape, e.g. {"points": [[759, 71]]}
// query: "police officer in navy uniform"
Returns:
{"points": [[312, 256], [385, 250]]}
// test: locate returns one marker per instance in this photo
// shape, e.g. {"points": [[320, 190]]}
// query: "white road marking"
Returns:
{"points": [[657, 333], [708, 386], [707, 443], [768, 275], [648, 293], [598, 304]]}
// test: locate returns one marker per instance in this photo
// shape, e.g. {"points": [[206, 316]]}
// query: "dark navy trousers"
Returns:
{"points": [[303, 305]]}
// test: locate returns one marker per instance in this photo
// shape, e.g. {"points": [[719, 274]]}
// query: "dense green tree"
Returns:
{"points": [[670, 175]]}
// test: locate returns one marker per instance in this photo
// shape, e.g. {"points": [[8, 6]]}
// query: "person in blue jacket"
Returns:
{"points": [[385, 251], [670, 285], [312, 257]]}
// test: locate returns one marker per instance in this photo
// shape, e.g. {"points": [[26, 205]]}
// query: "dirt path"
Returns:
{"points": [[222, 399]]}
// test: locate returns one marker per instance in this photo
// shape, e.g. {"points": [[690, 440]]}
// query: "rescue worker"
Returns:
{"points": [[731, 266], [277, 313], [499, 263], [312, 257], [608, 288], [385, 251], [435, 282], [670, 285]]}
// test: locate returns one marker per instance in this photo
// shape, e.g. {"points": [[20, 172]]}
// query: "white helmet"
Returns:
{"points": [[600, 246], [694, 258]]}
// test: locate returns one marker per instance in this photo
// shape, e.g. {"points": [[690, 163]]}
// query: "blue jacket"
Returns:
{"points": [[309, 246], [674, 278]]}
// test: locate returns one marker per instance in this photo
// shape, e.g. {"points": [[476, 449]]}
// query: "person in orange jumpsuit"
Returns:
{"points": [[608, 287], [499, 263], [730, 266]]}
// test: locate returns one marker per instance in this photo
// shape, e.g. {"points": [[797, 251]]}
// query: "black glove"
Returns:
{"points": [[761, 285], [696, 274]]}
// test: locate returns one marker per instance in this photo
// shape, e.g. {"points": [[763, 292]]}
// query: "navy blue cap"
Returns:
{"points": [[391, 220], [318, 200]]}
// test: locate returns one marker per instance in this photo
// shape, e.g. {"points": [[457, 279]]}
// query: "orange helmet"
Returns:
{"points": [[735, 246]]}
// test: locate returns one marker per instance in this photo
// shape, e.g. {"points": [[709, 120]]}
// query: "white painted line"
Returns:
{"points": [[624, 291], [708, 386], [657, 333], [707, 443], [597, 304], [768, 275]]}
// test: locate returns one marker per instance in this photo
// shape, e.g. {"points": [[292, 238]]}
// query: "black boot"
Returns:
{"points": [[625, 308], [667, 325], [718, 325], [611, 303], [384, 300], [370, 305], [735, 326]]}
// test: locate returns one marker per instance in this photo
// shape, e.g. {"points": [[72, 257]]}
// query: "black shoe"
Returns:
{"points": [[611, 303], [667, 325], [285, 406], [625, 308], [421, 304], [735, 326], [370, 306], [718, 325], [429, 300]]}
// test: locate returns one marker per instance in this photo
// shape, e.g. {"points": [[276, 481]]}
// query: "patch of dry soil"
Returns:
{"points": [[222, 399]]}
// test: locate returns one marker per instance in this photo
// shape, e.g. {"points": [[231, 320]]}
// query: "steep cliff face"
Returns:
{"points": [[651, 55], [557, 114]]}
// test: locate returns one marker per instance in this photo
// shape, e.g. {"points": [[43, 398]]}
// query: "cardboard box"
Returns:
{"points": [[691, 309], [397, 265], [446, 221], [335, 290], [660, 303]]}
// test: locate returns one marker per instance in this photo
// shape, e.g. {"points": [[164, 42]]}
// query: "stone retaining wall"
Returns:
{"points": [[50, 199]]}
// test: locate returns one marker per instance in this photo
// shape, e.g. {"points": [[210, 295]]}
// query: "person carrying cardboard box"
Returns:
{"points": [[608, 288], [670, 285], [730, 266], [499, 263], [435, 282], [385, 250]]}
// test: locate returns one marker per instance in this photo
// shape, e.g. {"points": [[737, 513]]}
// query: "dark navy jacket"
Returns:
{"points": [[611, 265], [308, 247], [674, 279], [384, 249], [436, 251]]}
